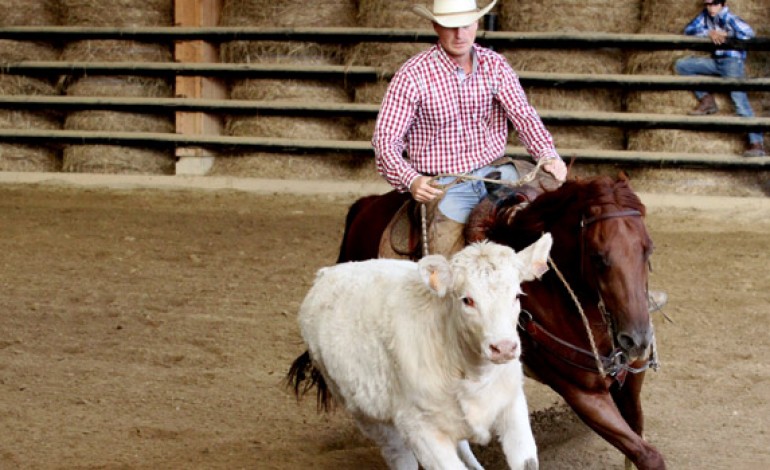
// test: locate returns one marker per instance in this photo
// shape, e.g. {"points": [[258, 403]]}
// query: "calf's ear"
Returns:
{"points": [[436, 274], [534, 258]]}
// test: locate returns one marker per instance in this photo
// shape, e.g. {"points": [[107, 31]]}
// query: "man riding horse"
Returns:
{"points": [[448, 107]]}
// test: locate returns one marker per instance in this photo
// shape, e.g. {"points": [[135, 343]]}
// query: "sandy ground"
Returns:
{"points": [[150, 329]]}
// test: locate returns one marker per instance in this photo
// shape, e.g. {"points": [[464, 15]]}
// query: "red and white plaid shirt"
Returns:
{"points": [[450, 122]]}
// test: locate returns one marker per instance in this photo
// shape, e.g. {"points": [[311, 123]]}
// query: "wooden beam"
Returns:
{"points": [[512, 39], [714, 123], [341, 72], [197, 13], [146, 139]]}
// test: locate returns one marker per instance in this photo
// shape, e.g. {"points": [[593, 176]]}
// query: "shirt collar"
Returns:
{"points": [[449, 64]]}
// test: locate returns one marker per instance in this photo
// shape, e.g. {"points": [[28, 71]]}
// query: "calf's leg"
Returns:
{"points": [[392, 446], [466, 455], [516, 435], [434, 450]]}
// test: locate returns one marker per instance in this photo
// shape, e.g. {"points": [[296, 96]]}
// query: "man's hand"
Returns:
{"points": [[422, 191], [718, 36], [557, 168]]}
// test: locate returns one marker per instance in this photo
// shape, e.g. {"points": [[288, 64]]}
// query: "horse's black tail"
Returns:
{"points": [[303, 376]]}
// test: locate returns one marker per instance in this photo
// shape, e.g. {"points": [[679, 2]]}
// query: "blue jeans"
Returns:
{"points": [[728, 67], [460, 199]]}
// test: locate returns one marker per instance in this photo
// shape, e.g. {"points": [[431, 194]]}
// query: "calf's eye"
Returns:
{"points": [[468, 301]]}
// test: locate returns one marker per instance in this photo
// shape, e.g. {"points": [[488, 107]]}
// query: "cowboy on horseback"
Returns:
{"points": [[448, 108]]}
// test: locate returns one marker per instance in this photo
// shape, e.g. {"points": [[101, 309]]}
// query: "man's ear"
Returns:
{"points": [[436, 274]]}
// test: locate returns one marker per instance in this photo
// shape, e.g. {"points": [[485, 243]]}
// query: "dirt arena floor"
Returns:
{"points": [[151, 329]]}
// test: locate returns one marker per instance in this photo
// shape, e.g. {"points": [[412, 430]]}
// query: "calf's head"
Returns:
{"points": [[483, 284]]}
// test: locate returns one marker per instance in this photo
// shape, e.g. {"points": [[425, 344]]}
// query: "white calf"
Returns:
{"points": [[425, 355]]}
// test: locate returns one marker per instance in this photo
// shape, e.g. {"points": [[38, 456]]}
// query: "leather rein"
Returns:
{"points": [[615, 365]]}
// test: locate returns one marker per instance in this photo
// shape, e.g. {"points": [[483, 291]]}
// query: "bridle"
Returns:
{"points": [[616, 364]]}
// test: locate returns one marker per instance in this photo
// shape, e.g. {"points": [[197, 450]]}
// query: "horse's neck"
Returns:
{"points": [[565, 303]]}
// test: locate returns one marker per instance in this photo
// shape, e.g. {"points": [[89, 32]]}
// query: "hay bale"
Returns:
{"points": [[113, 158], [326, 13], [605, 61], [22, 157], [294, 166], [667, 16], [590, 16], [120, 13], [701, 181], [29, 12], [286, 14], [594, 16]]}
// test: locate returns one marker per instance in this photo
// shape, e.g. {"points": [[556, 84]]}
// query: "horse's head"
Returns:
{"points": [[600, 244], [615, 254]]}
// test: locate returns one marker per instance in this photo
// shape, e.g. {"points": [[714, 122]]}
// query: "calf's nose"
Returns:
{"points": [[503, 351]]}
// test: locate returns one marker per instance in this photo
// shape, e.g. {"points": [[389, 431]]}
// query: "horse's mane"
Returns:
{"points": [[557, 207]]}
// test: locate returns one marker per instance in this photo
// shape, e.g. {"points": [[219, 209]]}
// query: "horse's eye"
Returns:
{"points": [[600, 262], [468, 301]]}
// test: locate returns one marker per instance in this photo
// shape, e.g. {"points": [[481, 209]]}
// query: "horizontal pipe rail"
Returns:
{"points": [[358, 110], [220, 34], [57, 138], [339, 72]]}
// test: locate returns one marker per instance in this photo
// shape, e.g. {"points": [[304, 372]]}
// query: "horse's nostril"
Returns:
{"points": [[626, 341]]}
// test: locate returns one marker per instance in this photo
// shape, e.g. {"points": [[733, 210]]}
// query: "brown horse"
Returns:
{"points": [[585, 328]]}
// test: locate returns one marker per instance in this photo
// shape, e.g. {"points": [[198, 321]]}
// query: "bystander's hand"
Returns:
{"points": [[422, 191], [718, 36], [557, 168]]}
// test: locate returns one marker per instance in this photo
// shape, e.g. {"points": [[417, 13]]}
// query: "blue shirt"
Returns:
{"points": [[725, 21]]}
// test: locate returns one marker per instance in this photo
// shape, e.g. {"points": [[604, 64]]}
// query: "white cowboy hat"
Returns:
{"points": [[453, 13]]}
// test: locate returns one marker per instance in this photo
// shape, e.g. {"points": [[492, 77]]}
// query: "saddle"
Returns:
{"points": [[402, 237]]}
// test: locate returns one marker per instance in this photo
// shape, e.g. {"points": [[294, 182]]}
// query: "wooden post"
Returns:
{"points": [[191, 13]]}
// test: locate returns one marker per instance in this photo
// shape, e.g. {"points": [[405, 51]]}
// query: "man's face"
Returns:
{"points": [[457, 42], [712, 7]]}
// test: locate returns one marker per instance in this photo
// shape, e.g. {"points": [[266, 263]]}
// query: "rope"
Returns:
{"points": [[595, 350], [528, 178]]}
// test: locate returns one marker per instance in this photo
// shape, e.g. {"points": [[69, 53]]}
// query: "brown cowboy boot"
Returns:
{"points": [[446, 236], [756, 149], [707, 105]]}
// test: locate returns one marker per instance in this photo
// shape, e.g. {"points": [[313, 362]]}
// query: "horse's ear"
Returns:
{"points": [[436, 274], [623, 176], [496, 192]]}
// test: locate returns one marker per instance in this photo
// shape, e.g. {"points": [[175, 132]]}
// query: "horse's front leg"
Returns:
{"points": [[628, 402], [598, 411]]}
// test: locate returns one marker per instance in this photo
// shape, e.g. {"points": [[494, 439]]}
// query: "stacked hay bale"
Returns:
{"points": [[657, 19], [114, 158], [387, 57], [14, 157], [588, 16], [289, 13]]}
